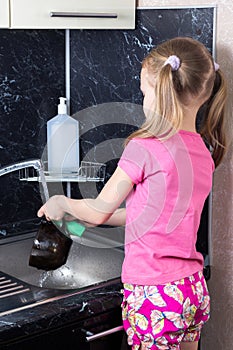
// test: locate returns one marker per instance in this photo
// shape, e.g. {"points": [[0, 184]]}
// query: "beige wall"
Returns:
{"points": [[218, 333]]}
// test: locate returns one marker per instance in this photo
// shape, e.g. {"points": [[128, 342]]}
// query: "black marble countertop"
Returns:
{"points": [[73, 307]]}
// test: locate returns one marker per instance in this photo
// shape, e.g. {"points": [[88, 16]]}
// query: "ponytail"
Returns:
{"points": [[213, 128], [167, 117], [168, 105]]}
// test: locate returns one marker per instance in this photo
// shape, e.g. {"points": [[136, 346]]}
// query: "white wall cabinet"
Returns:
{"points": [[72, 14], [4, 14]]}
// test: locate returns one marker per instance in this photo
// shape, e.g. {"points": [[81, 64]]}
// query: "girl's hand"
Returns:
{"points": [[52, 209]]}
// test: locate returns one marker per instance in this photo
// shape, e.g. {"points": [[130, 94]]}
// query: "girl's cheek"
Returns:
{"points": [[149, 104]]}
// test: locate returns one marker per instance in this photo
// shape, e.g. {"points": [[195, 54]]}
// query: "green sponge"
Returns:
{"points": [[75, 228], [71, 227]]}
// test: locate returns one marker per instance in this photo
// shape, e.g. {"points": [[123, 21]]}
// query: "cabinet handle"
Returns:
{"points": [[83, 15], [104, 334]]}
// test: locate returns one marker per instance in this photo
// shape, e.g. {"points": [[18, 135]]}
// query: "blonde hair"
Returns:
{"points": [[194, 81]]}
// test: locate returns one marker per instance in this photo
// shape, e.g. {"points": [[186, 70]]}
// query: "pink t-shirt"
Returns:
{"points": [[172, 180]]}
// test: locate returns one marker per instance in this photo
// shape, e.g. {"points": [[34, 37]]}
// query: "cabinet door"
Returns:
{"points": [[73, 14], [4, 14]]}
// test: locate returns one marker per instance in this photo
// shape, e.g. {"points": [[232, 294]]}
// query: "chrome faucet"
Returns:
{"points": [[37, 165]]}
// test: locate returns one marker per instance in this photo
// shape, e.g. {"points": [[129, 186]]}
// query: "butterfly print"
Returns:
{"points": [[148, 292], [157, 321], [174, 292], [141, 321], [181, 320]]}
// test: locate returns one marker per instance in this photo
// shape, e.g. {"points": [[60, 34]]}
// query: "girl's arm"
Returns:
{"points": [[118, 218], [93, 211]]}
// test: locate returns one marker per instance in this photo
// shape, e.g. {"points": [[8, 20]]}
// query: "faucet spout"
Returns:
{"points": [[35, 163]]}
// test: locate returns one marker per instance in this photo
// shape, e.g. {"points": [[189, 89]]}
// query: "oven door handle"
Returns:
{"points": [[104, 333]]}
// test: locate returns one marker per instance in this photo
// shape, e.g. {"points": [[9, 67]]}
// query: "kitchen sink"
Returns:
{"points": [[87, 264]]}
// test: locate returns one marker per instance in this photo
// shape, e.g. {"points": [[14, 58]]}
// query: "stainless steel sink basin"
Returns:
{"points": [[87, 264]]}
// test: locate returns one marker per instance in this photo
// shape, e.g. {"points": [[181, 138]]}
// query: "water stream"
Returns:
{"points": [[44, 187]]}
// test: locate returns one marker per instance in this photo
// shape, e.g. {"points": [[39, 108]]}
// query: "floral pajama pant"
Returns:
{"points": [[163, 316]]}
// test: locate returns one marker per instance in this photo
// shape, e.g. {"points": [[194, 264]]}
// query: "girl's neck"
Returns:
{"points": [[189, 120], [188, 125]]}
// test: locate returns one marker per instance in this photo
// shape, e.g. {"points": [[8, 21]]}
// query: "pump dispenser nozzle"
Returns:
{"points": [[62, 107]]}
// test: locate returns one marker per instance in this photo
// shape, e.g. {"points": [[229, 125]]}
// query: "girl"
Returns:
{"points": [[165, 175]]}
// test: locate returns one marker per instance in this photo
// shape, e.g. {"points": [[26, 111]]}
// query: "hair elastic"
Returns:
{"points": [[216, 66], [174, 62]]}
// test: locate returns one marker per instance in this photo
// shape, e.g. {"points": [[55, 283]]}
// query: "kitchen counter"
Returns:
{"points": [[73, 308]]}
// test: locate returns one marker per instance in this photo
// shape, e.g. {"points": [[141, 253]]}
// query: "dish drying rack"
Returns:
{"points": [[88, 171]]}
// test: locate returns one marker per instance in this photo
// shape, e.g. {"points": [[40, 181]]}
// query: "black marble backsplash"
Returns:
{"points": [[31, 80], [105, 69], [105, 65]]}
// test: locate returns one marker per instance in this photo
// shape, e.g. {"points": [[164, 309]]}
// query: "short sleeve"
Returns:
{"points": [[132, 161]]}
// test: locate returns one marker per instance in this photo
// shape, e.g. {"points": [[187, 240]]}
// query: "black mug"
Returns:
{"points": [[50, 247]]}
